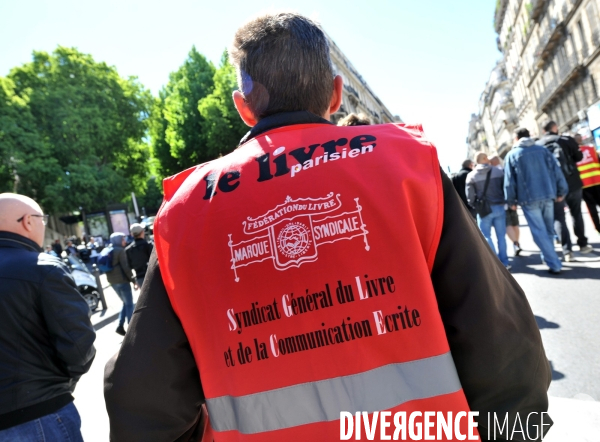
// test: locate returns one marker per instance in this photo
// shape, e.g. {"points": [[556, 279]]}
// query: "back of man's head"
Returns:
{"points": [[522, 133], [355, 120], [21, 215], [283, 64], [481, 158], [550, 126], [494, 160], [467, 164]]}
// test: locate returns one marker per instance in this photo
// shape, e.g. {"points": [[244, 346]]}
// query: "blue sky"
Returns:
{"points": [[427, 60]]}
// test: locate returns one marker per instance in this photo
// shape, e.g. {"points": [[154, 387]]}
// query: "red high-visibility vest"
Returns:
{"points": [[589, 167], [299, 266]]}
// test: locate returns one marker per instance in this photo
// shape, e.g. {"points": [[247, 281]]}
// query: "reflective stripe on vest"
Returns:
{"points": [[589, 167], [300, 268], [324, 400]]}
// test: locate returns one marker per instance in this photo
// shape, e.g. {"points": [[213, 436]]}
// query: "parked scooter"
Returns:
{"points": [[86, 283]]}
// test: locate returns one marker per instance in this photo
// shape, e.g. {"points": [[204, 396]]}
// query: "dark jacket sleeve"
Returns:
{"points": [[572, 148], [124, 263], [67, 317], [491, 330], [152, 385]]}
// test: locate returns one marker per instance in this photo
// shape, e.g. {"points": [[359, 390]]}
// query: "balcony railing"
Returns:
{"points": [[522, 105], [537, 9], [565, 71], [516, 70], [500, 14], [550, 36]]}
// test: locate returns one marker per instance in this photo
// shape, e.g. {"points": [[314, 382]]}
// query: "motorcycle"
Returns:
{"points": [[85, 281]]}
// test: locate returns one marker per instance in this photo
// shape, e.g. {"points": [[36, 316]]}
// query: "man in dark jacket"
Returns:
{"points": [[138, 253], [57, 248], [120, 278], [459, 182], [153, 387], [570, 155], [46, 338]]}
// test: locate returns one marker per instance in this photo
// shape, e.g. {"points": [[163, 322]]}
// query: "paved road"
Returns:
{"points": [[89, 394], [567, 311]]}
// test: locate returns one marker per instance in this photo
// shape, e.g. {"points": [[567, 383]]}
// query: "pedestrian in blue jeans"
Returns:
{"points": [[126, 295], [487, 182], [533, 179], [497, 219], [62, 425], [120, 278]]}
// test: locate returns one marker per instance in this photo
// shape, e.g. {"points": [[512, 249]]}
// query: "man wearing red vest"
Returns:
{"points": [[319, 270], [589, 171]]}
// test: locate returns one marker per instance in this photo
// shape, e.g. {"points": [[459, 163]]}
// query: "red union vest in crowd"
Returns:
{"points": [[589, 167], [299, 266]]}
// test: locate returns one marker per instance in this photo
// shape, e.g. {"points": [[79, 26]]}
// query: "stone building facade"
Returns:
{"points": [[551, 58], [358, 96]]}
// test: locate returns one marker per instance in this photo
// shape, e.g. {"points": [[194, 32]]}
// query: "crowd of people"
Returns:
{"points": [[128, 257], [544, 176]]}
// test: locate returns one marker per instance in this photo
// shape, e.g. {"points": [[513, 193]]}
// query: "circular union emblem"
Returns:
{"points": [[293, 240]]}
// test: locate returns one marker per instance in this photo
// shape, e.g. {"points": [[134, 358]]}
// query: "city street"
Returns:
{"points": [[566, 309]]}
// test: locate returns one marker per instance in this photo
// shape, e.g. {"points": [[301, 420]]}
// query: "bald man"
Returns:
{"points": [[46, 338]]}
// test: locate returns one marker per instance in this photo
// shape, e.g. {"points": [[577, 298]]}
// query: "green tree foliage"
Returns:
{"points": [[194, 117], [182, 145], [26, 164], [91, 122], [152, 198], [223, 126]]}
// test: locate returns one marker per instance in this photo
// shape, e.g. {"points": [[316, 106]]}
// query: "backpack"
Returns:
{"points": [[566, 163], [482, 204], [105, 260]]}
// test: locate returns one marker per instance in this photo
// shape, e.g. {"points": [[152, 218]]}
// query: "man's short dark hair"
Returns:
{"points": [[522, 133], [283, 64], [466, 164], [548, 125]]}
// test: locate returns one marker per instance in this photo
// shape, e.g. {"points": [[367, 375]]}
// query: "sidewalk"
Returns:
{"points": [[575, 420], [89, 394]]}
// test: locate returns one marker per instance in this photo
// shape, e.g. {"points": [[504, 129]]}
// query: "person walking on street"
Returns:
{"points": [[138, 253], [533, 180], [240, 310], [57, 248], [495, 161], [487, 182], [566, 150], [512, 218], [512, 229], [589, 172], [120, 278], [46, 338], [459, 182]]}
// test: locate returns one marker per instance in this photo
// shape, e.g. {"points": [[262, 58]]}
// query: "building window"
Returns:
{"points": [[592, 16], [593, 85], [559, 115]]}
